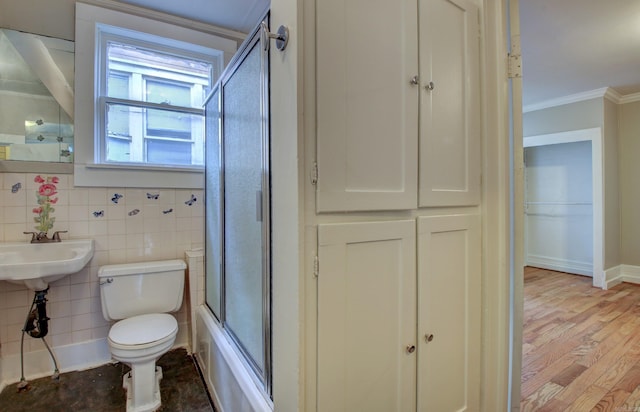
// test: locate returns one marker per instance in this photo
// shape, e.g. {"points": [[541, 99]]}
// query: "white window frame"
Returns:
{"points": [[88, 168], [139, 79]]}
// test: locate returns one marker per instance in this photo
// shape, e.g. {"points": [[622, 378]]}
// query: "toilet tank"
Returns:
{"points": [[132, 289]]}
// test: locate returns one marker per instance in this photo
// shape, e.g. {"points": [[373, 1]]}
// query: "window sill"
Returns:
{"points": [[119, 175], [142, 167]]}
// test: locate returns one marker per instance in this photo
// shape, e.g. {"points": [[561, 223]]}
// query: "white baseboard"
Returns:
{"points": [[560, 265], [621, 273], [38, 364]]}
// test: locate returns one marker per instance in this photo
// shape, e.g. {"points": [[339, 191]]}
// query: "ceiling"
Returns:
{"points": [[239, 15], [576, 46], [568, 46]]}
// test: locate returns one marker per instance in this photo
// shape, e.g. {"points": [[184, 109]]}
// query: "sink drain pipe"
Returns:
{"points": [[36, 326]]}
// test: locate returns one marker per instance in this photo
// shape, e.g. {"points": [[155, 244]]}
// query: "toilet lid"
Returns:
{"points": [[143, 329]]}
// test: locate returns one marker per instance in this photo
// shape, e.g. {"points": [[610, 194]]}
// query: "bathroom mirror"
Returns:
{"points": [[36, 103]]}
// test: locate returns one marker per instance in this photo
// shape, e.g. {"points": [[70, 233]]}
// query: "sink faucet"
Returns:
{"points": [[41, 237]]}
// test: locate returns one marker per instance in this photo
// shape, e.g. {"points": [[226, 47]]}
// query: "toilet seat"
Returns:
{"points": [[139, 332]]}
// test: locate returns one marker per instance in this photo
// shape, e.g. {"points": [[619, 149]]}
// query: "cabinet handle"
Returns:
{"points": [[415, 80], [411, 348], [430, 86], [428, 337]]}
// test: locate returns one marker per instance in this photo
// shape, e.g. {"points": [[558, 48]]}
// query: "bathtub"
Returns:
{"points": [[230, 383]]}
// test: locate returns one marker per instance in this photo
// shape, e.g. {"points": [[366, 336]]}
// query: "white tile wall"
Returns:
{"points": [[163, 228]]}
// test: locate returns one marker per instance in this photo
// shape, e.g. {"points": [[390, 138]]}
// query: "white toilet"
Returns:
{"points": [[138, 296]]}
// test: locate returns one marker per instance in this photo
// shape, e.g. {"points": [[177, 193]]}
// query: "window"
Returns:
{"points": [[139, 98], [151, 103]]}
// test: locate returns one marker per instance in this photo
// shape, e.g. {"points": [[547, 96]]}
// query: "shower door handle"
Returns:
{"points": [[258, 205]]}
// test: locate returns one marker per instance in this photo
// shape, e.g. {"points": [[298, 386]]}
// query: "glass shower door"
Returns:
{"points": [[238, 235], [245, 185]]}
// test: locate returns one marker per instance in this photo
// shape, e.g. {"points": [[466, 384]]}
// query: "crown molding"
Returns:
{"points": [[630, 98], [605, 92], [572, 98], [612, 95]]}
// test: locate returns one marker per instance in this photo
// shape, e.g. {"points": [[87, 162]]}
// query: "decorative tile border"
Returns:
{"points": [[116, 197], [191, 201]]}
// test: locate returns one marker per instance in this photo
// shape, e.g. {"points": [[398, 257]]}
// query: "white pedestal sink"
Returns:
{"points": [[35, 265]]}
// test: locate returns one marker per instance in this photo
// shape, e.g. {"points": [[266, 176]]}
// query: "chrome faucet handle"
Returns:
{"points": [[34, 236], [56, 235]]}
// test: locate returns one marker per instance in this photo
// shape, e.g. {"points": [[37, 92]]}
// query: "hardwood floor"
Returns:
{"points": [[581, 345]]}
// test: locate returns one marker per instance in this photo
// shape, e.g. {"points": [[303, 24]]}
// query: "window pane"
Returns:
{"points": [[168, 93], [118, 85], [118, 150], [243, 231], [122, 133], [118, 118], [165, 123], [164, 66], [168, 152], [164, 137]]}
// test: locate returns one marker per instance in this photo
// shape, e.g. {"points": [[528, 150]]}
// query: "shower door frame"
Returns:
{"points": [[263, 376]]}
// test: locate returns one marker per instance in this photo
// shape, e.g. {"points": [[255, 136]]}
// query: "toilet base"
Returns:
{"points": [[155, 402]]}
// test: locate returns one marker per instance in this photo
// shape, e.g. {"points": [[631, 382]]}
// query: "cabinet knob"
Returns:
{"points": [[411, 348], [415, 80], [428, 337], [430, 86]]}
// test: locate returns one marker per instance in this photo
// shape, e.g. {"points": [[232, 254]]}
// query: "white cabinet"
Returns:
{"points": [[397, 128], [366, 317], [367, 110], [393, 336], [449, 270], [386, 139], [449, 103]]}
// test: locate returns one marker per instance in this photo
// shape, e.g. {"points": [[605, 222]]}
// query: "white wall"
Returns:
{"points": [[629, 135], [287, 213], [49, 18], [580, 115]]}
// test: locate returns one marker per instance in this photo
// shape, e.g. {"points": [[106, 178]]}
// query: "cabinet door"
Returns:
{"points": [[450, 110], [367, 317], [449, 270], [367, 108]]}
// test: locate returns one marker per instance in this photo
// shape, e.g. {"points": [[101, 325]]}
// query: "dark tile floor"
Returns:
{"points": [[100, 389]]}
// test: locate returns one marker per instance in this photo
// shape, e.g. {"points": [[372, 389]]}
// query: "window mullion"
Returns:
{"points": [[197, 128], [136, 120], [150, 105]]}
